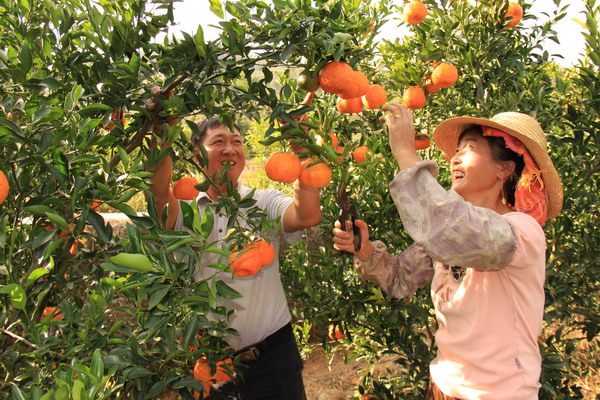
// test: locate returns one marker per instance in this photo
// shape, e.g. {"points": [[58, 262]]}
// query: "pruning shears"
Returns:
{"points": [[347, 208]]}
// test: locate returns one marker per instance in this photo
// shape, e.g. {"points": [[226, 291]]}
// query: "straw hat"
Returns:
{"points": [[522, 127]]}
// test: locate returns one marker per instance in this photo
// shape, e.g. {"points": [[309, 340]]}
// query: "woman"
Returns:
{"points": [[480, 244]]}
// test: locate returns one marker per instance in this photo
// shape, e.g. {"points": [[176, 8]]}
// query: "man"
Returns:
{"points": [[266, 345]]}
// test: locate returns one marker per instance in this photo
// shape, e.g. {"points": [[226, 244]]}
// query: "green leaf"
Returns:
{"points": [[34, 276], [97, 222], [25, 58], [115, 361], [157, 296], [72, 99], [13, 129], [78, 388], [125, 208], [160, 386], [58, 220], [39, 210], [227, 292], [42, 238], [133, 262], [137, 372], [97, 367], [16, 294], [212, 293], [208, 221], [190, 331], [199, 41], [17, 394], [217, 8], [124, 156], [41, 113]]}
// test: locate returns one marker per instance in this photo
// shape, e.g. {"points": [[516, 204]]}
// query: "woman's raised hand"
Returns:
{"points": [[402, 134], [343, 240]]}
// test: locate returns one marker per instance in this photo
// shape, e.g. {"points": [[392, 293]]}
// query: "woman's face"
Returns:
{"points": [[475, 173]]}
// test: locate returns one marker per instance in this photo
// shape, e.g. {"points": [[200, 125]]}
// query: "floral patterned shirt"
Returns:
{"points": [[444, 227]]}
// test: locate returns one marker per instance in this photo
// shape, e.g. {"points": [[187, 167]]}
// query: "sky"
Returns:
{"points": [[190, 13]]}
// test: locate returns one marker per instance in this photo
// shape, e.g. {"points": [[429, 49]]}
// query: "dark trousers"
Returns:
{"points": [[275, 375]]}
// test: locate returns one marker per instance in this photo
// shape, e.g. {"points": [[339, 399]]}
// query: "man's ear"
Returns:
{"points": [[507, 168]]}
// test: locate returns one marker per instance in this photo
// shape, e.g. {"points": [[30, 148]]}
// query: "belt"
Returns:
{"points": [[253, 352]]}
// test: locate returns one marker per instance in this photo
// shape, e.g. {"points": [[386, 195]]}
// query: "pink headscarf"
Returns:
{"points": [[530, 195]]}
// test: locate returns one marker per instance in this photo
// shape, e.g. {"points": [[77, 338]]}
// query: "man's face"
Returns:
{"points": [[224, 146]]}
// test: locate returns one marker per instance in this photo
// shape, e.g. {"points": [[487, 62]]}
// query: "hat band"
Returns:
{"points": [[530, 195]]}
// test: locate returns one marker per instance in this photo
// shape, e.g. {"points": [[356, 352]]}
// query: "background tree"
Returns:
{"points": [[76, 128]]}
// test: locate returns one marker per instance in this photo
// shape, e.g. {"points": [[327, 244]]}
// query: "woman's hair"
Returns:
{"points": [[501, 153], [204, 126]]}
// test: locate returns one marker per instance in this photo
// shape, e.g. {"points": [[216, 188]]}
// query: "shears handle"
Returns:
{"points": [[355, 231]]}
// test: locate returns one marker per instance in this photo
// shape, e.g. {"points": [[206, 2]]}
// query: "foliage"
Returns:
{"points": [[67, 66]]}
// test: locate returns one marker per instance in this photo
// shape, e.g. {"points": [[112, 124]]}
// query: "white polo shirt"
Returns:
{"points": [[262, 309]]}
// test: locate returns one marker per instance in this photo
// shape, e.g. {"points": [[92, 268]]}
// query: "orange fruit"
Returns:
{"points": [[317, 175], [360, 154], [415, 12], [375, 97], [340, 150], [308, 82], [358, 86], [184, 188], [349, 106], [246, 262], [114, 117], [267, 252], [444, 75], [431, 88], [3, 187], [516, 12], [335, 333], [202, 373], [422, 142], [283, 167], [334, 140], [335, 76], [414, 98], [55, 311], [95, 205]]}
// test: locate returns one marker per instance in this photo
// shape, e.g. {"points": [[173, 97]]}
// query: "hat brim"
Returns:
{"points": [[446, 137]]}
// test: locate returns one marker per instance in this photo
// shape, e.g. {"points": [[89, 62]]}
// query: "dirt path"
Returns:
{"points": [[333, 379]]}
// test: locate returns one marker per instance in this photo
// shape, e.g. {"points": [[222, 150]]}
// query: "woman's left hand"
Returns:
{"points": [[402, 134]]}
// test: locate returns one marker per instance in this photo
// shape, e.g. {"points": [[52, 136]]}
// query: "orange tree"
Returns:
{"points": [[78, 112], [499, 69]]}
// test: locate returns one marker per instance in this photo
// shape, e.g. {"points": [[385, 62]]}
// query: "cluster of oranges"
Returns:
{"points": [[415, 12], [353, 88], [287, 168], [254, 256], [443, 76]]}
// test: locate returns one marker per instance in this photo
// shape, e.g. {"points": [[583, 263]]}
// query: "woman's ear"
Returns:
{"points": [[507, 168]]}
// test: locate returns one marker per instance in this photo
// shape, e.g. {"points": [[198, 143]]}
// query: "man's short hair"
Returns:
{"points": [[203, 127]]}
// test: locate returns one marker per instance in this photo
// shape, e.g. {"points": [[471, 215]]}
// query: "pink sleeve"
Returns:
{"points": [[532, 240], [399, 276]]}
